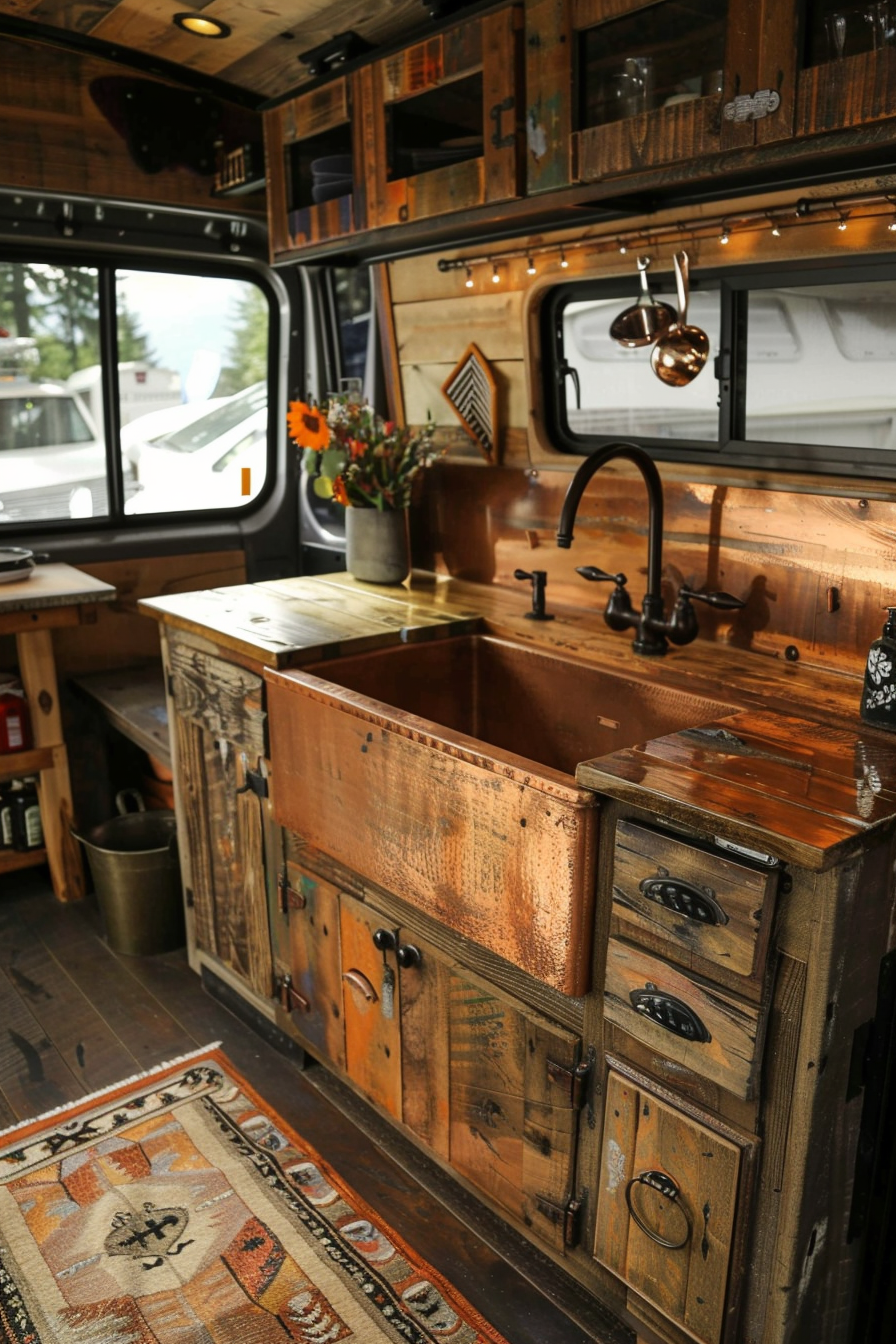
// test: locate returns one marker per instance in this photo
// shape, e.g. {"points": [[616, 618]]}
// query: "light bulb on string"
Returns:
{"points": [[623, 248], [564, 264], [841, 226], [469, 280], [496, 279], [773, 227], [724, 236], [530, 266], [892, 224]]}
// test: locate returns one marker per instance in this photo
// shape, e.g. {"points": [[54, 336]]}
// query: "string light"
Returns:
{"points": [[860, 205]]}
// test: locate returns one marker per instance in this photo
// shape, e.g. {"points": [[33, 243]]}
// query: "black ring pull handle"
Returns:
{"points": [[668, 1190], [684, 898], [669, 1012]]}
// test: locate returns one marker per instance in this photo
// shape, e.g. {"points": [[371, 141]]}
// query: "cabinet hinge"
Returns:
{"points": [[256, 782], [567, 1215], [752, 106], [288, 897], [289, 996], [573, 1081]]}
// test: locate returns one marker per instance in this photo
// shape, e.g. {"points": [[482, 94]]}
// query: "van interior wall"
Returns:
{"points": [[55, 138], [813, 557]]}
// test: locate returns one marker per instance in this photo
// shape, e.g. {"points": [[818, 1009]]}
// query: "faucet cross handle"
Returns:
{"points": [[595, 575], [722, 601]]}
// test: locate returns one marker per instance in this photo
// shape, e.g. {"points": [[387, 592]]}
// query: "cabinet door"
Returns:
{"points": [[513, 1111], [313, 996], [849, 73], [619, 86], [442, 121], [371, 1006], [220, 731], [315, 182], [667, 1206]]}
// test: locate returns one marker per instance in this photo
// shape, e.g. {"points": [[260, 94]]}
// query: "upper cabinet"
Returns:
{"points": [[614, 86], [847, 75], [433, 129], [440, 122], [315, 180]]}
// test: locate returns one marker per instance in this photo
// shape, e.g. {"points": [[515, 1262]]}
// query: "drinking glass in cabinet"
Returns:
{"points": [[627, 67]]}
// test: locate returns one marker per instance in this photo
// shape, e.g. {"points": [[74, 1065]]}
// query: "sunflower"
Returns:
{"points": [[307, 427]]}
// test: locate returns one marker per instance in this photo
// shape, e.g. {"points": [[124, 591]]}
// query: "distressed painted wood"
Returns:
{"points": [[741, 897], [509, 1134], [643, 1133], [224, 699], [315, 963], [732, 1054], [349, 778], [549, 110], [425, 990], [666, 135], [371, 1011]]}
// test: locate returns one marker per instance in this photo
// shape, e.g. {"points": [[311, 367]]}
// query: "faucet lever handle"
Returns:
{"points": [[722, 601], [595, 575]]}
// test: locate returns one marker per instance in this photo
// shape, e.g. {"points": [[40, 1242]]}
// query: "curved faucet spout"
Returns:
{"points": [[631, 452]]}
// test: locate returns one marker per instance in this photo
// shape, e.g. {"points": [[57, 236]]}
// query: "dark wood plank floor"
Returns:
{"points": [[74, 1017]]}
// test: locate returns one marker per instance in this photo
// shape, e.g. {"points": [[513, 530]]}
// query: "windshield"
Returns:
{"points": [[41, 422], [209, 427]]}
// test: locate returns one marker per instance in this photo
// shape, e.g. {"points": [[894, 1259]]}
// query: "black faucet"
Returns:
{"points": [[539, 580], [653, 630]]}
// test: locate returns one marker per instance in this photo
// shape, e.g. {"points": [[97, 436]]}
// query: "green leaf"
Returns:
{"points": [[332, 463]]}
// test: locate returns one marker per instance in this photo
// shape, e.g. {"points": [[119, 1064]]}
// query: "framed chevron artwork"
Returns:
{"points": [[472, 393]]}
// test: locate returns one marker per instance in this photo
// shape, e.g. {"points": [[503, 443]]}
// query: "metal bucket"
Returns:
{"points": [[134, 865]]}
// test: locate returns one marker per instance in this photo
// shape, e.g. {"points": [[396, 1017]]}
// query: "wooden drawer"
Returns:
{"points": [[704, 910], [668, 1178], [315, 1007], [710, 1031]]}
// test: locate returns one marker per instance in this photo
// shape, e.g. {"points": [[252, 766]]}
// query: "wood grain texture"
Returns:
{"points": [[372, 1019], [350, 782], [223, 699], [744, 896], [851, 92], [316, 965], [641, 1134], [666, 135], [730, 1057], [425, 990], [549, 96]]}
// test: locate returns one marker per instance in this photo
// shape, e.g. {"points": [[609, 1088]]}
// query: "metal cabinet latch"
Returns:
{"points": [[567, 1215], [497, 115], [289, 898], [752, 106]]}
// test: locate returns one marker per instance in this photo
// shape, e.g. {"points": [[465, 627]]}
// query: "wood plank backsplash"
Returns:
{"points": [[813, 557]]}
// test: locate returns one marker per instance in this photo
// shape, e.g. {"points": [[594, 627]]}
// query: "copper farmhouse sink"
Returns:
{"points": [[444, 772]]}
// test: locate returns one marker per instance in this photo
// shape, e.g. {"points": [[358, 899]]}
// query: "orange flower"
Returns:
{"points": [[340, 494], [357, 448], [307, 427]]}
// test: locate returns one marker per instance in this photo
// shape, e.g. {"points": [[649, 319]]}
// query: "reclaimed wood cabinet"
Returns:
{"points": [[315, 173], [225, 832], [433, 129]]}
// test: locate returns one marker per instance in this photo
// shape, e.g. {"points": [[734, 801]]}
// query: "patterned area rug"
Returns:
{"points": [[176, 1208]]}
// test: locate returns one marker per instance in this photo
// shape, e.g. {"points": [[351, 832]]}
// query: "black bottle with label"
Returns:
{"points": [[879, 691], [27, 831]]}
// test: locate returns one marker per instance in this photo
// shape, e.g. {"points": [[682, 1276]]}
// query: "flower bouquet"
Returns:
{"points": [[356, 457]]}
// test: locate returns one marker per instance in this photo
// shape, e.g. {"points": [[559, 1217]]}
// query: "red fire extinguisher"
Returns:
{"points": [[15, 723]]}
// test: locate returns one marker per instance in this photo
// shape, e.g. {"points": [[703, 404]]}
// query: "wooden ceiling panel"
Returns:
{"points": [[266, 39]]}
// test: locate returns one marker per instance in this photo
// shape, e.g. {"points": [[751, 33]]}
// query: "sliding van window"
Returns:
{"points": [[801, 373], [169, 368]]}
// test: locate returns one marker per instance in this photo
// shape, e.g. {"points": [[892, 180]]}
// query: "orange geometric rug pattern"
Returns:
{"points": [[177, 1209]]}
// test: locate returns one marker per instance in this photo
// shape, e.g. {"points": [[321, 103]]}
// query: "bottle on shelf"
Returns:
{"points": [[15, 721], [7, 794], [27, 831]]}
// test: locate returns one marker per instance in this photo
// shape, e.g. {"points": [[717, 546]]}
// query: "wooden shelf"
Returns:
{"points": [[16, 764], [12, 859]]}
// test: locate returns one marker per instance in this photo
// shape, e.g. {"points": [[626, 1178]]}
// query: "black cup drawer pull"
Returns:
{"points": [[669, 1012], [685, 898]]}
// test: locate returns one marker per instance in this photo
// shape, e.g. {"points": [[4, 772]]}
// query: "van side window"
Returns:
{"points": [[801, 373], [189, 357]]}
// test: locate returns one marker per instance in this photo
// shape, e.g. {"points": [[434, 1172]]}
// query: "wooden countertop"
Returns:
{"points": [[53, 585], [792, 772]]}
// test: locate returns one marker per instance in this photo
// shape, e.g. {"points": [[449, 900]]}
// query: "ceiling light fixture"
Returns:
{"points": [[530, 266], [200, 26], [469, 280], [564, 264], [842, 225], [496, 279], [724, 236]]}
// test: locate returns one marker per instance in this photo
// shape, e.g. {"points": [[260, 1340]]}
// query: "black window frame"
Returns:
{"points": [[187, 521], [732, 448]]}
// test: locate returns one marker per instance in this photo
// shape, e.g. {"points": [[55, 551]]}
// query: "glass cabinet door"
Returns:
{"points": [[847, 71]]}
